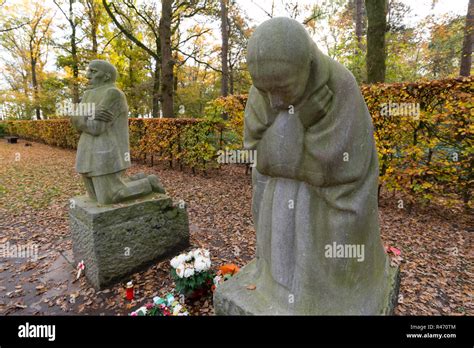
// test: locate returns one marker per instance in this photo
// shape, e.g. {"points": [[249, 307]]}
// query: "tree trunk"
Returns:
{"points": [[75, 59], [466, 58], [94, 43], [131, 82], [359, 13], [75, 68], [93, 15], [231, 80], [94, 28], [377, 26], [167, 62], [155, 109], [34, 82], [175, 76], [225, 49]]}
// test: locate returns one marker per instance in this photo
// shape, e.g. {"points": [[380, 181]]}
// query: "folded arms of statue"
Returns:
{"points": [[330, 148], [101, 118]]}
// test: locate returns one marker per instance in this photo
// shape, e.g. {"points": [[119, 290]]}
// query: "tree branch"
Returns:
{"points": [[127, 33], [197, 60]]}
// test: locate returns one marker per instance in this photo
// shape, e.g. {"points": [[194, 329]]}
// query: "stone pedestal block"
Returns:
{"points": [[117, 240], [240, 296]]}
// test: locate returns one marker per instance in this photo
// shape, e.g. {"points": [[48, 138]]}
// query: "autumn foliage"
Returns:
{"points": [[187, 142], [233, 107], [423, 132], [429, 154], [426, 152]]}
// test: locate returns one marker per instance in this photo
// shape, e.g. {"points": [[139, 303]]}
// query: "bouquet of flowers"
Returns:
{"points": [[191, 272], [225, 272], [161, 307]]}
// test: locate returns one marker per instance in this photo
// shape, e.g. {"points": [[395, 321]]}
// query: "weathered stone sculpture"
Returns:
{"points": [[314, 187], [103, 150], [124, 223]]}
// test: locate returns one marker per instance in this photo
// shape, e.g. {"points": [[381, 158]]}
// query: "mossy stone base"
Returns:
{"points": [[233, 297], [117, 240]]}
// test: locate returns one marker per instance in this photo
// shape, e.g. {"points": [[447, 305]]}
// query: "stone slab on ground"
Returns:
{"points": [[239, 296], [119, 239]]}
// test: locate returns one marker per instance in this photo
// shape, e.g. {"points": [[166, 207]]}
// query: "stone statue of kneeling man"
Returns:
{"points": [[103, 152]]}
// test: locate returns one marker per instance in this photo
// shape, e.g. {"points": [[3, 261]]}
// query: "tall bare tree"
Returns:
{"points": [[28, 44], [376, 28], [466, 57], [9, 24], [225, 48], [159, 43], [359, 23], [37, 34], [239, 33], [93, 12], [148, 16], [73, 45], [167, 62]]}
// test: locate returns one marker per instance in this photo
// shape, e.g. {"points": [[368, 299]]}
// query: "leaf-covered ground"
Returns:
{"points": [[37, 181]]}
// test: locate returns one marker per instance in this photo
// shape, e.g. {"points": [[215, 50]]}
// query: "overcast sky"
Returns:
{"points": [[420, 8], [255, 10]]}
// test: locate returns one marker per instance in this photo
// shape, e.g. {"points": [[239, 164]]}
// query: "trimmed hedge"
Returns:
{"points": [[428, 155], [58, 132], [190, 142]]}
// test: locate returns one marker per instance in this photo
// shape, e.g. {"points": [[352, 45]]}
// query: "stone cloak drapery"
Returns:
{"points": [[315, 183]]}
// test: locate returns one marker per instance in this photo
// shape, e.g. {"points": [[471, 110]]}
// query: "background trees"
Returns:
{"points": [[174, 56], [466, 61], [26, 40], [377, 26]]}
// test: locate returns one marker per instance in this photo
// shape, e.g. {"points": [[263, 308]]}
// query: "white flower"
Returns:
{"points": [[196, 253], [188, 272], [201, 264], [178, 260], [217, 279], [175, 262], [189, 256], [140, 311], [200, 253], [176, 309], [180, 270]]}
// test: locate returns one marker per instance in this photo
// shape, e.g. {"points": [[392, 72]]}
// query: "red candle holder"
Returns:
{"points": [[129, 291]]}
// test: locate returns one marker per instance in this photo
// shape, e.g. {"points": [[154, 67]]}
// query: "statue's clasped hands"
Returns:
{"points": [[101, 114], [88, 110]]}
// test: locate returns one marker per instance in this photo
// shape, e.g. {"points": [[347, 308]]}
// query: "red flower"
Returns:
{"points": [[393, 250]]}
